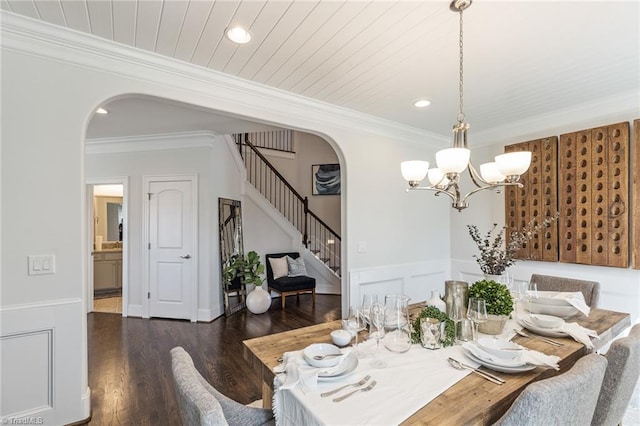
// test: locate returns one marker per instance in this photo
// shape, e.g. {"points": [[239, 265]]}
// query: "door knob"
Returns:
{"points": [[186, 256]]}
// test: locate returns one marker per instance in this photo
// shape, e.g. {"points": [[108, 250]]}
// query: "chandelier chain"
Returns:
{"points": [[461, 116]]}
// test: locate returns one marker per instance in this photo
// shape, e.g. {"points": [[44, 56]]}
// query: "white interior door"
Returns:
{"points": [[172, 273]]}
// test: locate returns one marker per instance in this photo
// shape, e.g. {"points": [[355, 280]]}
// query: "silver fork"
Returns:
{"points": [[367, 389], [358, 383], [544, 339]]}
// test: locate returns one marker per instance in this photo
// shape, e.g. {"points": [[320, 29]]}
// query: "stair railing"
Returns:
{"points": [[317, 236]]}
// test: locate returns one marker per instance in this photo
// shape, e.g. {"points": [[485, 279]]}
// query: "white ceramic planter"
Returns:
{"points": [[258, 301]]}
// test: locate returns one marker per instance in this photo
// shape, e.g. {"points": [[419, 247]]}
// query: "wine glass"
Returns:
{"points": [[355, 324], [376, 317], [531, 294], [477, 313], [367, 301], [457, 315], [518, 292]]}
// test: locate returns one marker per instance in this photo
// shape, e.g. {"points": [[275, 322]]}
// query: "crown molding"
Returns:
{"points": [[233, 95], [159, 142], [613, 109]]}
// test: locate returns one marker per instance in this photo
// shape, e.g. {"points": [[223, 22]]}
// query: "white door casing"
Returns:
{"points": [[171, 246], [90, 223]]}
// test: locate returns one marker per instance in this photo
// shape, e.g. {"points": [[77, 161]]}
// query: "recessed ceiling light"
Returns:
{"points": [[102, 111], [421, 103], [238, 35]]}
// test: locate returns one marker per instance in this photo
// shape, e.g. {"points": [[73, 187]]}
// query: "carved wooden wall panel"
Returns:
{"points": [[635, 197], [594, 197], [537, 200]]}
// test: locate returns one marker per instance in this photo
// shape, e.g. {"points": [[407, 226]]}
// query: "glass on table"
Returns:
{"points": [[377, 315], [355, 323], [365, 309], [531, 295], [431, 332], [457, 314], [476, 313]]}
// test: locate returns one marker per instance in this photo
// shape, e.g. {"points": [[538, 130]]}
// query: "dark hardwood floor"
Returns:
{"points": [[130, 365]]}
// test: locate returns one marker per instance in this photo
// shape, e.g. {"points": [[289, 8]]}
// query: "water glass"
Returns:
{"points": [[377, 315], [355, 324], [365, 308], [476, 313]]}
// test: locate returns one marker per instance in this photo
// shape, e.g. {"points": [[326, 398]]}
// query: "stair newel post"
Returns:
{"points": [[305, 236], [243, 137]]}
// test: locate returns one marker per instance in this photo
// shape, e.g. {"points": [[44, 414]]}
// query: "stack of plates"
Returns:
{"points": [[551, 306], [331, 368], [346, 367], [543, 331], [504, 365]]}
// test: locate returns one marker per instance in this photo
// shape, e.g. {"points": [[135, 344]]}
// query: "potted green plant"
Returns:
{"points": [[499, 304], [496, 255]]}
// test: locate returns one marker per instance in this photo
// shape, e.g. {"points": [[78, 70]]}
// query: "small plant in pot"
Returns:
{"points": [[499, 304]]}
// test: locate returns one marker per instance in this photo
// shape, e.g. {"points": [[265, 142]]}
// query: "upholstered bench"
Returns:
{"points": [[282, 282]]}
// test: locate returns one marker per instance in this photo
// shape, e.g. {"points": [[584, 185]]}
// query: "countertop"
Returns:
{"points": [[115, 250]]}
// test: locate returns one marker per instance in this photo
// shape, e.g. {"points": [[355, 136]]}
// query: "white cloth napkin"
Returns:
{"points": [[575, 299], [296, 371], [575, 330], [579, 333], [528, 356]]}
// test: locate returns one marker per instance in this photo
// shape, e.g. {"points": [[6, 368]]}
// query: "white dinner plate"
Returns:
{"points": [[480, 354], [500, 368], [346, 367], [549, 332]]}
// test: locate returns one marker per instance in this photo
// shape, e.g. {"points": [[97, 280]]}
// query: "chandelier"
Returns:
{"points": [[444, 179]]}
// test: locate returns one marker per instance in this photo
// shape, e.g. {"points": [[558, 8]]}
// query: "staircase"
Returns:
{"points": [[315, 234]]}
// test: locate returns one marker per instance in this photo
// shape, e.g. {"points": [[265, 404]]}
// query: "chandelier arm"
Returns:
{"points": [[491, 186], [437, 191], [475, 176]]}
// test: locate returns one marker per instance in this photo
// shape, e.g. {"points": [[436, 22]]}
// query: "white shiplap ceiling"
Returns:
{"points": [[522, 58]]}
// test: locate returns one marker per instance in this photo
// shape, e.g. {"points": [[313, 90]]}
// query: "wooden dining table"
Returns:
{"points": [[472, 400]]}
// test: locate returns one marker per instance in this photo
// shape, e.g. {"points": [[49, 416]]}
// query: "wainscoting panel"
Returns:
{"points": [[415, 280], [27, 357], [44, 363]]}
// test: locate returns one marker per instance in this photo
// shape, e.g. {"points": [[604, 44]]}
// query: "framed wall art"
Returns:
{"points": [[325, 179]]}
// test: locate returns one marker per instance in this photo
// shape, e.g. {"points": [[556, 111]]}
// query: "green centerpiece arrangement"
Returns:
{"points": [[432, 312], [499, 304]]}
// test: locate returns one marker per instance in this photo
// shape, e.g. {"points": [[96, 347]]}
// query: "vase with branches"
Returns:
{"points": [[496, 254]]}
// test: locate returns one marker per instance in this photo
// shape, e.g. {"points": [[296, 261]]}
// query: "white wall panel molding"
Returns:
{"points": [[40, 358], [237, 95], [160, 142], [415, 280]]}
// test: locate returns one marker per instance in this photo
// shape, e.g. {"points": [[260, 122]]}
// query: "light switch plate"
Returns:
{"points": [[41, 264]]}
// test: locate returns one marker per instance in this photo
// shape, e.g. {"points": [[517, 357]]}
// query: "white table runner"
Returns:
{"points": [[409, 382]]}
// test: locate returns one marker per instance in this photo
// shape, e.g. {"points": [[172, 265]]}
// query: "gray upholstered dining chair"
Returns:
{"points": [[620, 380], [201, 404], [590, 289], [567, 399]]}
